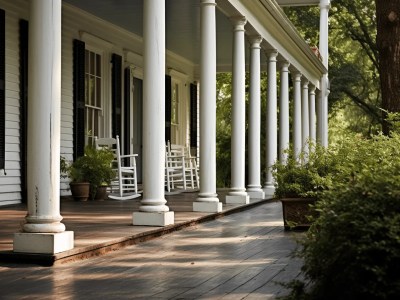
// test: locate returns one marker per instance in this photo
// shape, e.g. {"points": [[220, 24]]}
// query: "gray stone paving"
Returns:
{"points": [[240, 256]]}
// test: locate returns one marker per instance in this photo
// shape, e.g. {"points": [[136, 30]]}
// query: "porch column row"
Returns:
{"points": [[304, 115]]}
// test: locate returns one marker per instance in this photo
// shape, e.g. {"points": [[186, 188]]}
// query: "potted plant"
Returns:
{"points": [[89, 173], [298, 182], [98, 171], [79, 185]]}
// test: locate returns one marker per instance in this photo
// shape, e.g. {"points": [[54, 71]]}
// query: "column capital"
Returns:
{"points": [[325, 4], [297, 75], [208, 2], [312, 89], [271, 54], [305, 82], [255, 41], [238, 22], [284, 65]]}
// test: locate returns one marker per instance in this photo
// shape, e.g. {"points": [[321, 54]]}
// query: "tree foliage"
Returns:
{"points": [[353, 60]]}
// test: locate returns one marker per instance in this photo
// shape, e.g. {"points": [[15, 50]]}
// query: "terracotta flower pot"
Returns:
{"points": [[80, 190], [296, 212], [101, 193]]}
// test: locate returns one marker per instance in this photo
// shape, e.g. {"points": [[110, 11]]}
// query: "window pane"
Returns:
{"points": [[92, 63], [87, 89], [98, 65], [98, 92], [92, 83], [86, 61], [96, 123]]}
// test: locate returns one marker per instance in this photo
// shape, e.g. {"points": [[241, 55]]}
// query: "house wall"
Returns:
{"points": [[10, 180], [76, 24]]}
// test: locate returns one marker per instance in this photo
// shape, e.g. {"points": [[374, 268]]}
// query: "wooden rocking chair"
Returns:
{"points": [[124, 187]]}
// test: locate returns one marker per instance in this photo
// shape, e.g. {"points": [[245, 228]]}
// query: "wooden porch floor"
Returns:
{"points": [[241, 253]]}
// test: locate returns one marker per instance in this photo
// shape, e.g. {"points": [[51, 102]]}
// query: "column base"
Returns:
{"points": [[207, 206], [153, 218], [269, 191], [237, 199], [44, 243], [256, 194]]}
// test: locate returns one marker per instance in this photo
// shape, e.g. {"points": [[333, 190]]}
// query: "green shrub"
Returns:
{"points": [[352, 251], [294, 179]]}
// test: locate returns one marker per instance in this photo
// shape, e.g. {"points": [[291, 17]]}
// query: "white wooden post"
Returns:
{"points": [[322, 133], [254, 187], [272, 123], [297, 140], [238, 192], [207, 200], [153, 208], [311, 112], [305, 126], [284, 112], [43, 231]]}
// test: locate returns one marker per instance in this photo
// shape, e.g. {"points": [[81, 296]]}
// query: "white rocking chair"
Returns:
{"points": [[124, 187], [180, 170], [174, 169]]}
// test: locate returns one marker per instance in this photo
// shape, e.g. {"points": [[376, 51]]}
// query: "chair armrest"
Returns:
{"points": [[129, 155]]}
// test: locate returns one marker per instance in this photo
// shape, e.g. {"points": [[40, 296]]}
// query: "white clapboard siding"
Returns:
{"points": [[10, 181]]}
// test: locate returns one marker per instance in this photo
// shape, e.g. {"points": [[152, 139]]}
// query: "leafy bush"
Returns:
{"points": [[352, 251], [295, 179]]}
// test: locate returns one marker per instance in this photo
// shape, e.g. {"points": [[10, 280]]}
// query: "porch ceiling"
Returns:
{"points": [[182, 24], [183, 29]]}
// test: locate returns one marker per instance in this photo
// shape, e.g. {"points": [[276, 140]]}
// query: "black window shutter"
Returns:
{"points": [[79, 98], [23, 87], [2, 89], [168, 102], [193, 115], [127, 110], [116, 95]]}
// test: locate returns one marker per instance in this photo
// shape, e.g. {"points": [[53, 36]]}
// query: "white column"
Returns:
{"points": [[237, 192], [43, 231], [272, 123], [254, 186], [153, 210], [305, 125], [207, 200], [311, 113], [284, 112], [297, 140], [322, 134]]}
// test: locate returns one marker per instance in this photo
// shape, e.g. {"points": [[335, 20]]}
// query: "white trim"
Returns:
{"points": [[95, 41]]}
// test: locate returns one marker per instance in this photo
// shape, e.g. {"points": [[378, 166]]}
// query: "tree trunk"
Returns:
{"points": [[388, 43]]}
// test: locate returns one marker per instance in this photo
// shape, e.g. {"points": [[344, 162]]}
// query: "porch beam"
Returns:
{"points": [[238, 192], [43, 231], [207, 200], [153, 210]]}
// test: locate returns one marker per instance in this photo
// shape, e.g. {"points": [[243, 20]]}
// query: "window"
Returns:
{"points": [[93, 95]]}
